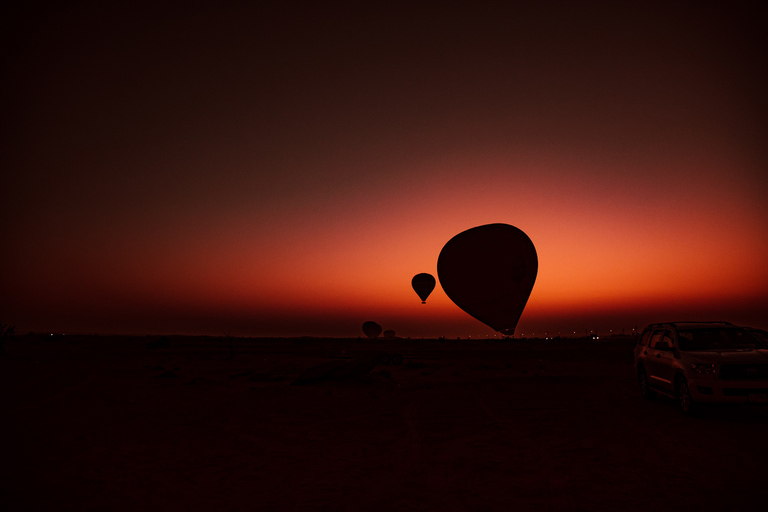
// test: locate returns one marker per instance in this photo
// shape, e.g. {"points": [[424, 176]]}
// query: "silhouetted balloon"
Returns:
{"points": [[489, 271], [371, 329], [423, 284]]}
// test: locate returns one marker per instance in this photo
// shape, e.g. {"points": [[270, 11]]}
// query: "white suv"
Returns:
{"points": [[698, 362]]}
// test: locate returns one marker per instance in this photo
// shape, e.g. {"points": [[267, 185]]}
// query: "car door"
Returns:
{"points": [[657, 360], [665, 359]]}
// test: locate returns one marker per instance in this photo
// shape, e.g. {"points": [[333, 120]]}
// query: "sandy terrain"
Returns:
{"points": [[109, 424]]}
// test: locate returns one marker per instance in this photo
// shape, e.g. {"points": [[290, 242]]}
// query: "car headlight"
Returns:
{"points": [[704, 369]]}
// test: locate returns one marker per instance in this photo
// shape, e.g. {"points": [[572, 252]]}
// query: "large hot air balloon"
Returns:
{"points": [[423, 284], [371, 329], [489, 271]]}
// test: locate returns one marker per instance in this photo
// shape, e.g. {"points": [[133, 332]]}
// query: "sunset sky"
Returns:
{"points": [[266, 170]]}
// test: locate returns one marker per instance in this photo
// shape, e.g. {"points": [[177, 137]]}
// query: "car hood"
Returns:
{"points": [[727, 356]]}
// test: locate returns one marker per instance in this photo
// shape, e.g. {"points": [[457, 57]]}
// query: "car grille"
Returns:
{"points": [[744, 371]]}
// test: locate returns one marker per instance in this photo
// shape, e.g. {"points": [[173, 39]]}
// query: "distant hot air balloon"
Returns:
{"points": [[389, 333], [489, 271], [423, 284], [371, 329]]}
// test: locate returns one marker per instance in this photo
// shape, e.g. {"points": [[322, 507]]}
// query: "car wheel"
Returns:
{"points": [[645, 386], [683, 395]]}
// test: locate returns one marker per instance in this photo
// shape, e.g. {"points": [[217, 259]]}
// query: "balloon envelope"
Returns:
{"points": [[423, 284], [489, 271], [371, 329]]}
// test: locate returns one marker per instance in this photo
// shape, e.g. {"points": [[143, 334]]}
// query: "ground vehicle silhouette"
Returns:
{"points": [[701, 362]]}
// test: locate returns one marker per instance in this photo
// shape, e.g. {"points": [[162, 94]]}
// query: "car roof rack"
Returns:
{"points": [[695, 323], [690, 322]]}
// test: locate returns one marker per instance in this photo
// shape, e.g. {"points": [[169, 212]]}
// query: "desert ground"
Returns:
{"points": [[144, 423]]}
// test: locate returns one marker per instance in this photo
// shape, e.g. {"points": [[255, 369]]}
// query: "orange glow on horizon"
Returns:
{"points": [[596, 253]]}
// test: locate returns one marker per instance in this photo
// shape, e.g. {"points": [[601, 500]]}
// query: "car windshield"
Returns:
{"points": [[760, 334], [715, 339]]}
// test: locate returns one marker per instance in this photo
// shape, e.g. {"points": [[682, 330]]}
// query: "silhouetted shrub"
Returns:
{"points": [[6, 331], [162, 342]]}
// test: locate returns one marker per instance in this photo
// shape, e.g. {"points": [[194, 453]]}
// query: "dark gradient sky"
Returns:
{"points": [[284, 170]]}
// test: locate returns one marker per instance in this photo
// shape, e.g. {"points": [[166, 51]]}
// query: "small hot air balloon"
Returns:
{"points": [[423, 284], [371, 329], [489, 271]]}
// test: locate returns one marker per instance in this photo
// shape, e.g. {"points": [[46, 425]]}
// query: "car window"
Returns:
{"points": [[668, 338], [645, 338], [656, 337], [715, 339]]}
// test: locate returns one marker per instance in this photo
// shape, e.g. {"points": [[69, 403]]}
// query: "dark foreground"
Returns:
{"points": [[110, 424]]}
